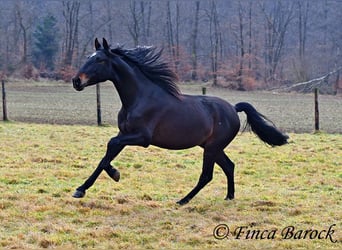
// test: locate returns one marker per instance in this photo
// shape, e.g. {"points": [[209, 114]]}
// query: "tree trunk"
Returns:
{"points": [[169, 30], [214, 41], [70, 14], [250, 36], [177, 54], [302, 22], [242, 50], [276, 24], [134, 26], [109, 18], [194, 34], [24, 29]]}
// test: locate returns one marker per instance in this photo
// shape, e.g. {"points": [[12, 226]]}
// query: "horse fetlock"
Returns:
{"points": [[115, 175]]}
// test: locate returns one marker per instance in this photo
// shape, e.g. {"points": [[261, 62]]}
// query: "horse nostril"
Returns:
{"points": [[76, 80]]}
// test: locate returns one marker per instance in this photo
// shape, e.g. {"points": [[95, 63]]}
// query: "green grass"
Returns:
{"points": [[298, 184]]}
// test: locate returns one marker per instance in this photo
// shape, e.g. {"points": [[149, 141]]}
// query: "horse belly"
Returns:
{"points": [[176, 145], [182, 132]]}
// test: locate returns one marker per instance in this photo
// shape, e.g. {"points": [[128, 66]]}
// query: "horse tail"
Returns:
{"points": [[261, 125]]}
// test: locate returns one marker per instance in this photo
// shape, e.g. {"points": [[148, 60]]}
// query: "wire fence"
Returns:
{"points": [[59, 103]]}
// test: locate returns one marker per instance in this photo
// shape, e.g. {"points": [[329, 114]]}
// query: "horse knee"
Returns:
{"points": [[114, 147], [114, 142]]}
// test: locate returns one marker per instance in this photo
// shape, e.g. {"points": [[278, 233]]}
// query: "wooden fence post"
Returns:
{"points": [[98, 105], [4, 104], [316, 111]]}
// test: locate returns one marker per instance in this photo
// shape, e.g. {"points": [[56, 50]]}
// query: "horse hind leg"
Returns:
{"points": [[205, 177], [228, 168]]}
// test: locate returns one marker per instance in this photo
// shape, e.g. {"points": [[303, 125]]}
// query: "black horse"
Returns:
{"points": [[154, 112]]}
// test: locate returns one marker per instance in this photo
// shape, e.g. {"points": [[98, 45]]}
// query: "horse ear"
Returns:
{"points": [[105, 44], [97, 44]]}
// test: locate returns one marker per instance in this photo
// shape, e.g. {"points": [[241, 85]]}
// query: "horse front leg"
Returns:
{"points": [[113, 149]]}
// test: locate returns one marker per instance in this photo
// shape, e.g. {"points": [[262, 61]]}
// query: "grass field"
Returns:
{"points": [[59, 103], [297, 185]]}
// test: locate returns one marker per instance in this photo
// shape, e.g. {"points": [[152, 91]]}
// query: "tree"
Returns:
{"points": [[194, 35], [133, 27], [303, 9], [70, 13], [277, 21], [140, 25], [242, 48], [45, 43], [173, 34], [214, 36], [240, 40], [24, 20]]}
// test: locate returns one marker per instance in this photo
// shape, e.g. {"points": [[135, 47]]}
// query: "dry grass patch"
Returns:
{"points": [[298, 184]]}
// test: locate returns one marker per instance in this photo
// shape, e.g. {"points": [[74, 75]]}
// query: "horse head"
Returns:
{"points": [[96, 69]]}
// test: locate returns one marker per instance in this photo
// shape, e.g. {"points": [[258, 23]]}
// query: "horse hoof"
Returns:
{"points": [[78, 194], [182, 202], [116, 176]]}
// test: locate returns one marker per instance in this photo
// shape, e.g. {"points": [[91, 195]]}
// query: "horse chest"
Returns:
{"points": [[130, 122]]}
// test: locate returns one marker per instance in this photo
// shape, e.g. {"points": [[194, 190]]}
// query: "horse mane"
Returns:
{"points": [[148, 60]]}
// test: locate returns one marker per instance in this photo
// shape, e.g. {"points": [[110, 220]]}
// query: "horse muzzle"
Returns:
{"points": [[77, 84]]}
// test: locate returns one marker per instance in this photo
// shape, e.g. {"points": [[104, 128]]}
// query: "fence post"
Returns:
{"points": [[316, 111], [204, 90], [4, 104], [98, 105]]}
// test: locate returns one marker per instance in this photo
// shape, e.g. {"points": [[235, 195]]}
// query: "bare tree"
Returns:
{"points": [[172, 33], [24, 24], [194, 35], [303, 10], [250, 17], [169, 30], [145, 12], [71, 10], [277, 21], [250, 37], [177, 53], [214, 40], [133, 27], [109, 19], [140, 24], [242, 47]]}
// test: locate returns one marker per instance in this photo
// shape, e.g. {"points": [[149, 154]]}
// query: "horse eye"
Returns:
{"points": [[98, 59]]}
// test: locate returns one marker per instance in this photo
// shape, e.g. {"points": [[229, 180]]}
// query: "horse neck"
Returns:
{"points": [[130, 84]]}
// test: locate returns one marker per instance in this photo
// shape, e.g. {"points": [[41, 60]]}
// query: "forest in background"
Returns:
{"points": [[240, 44]]}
